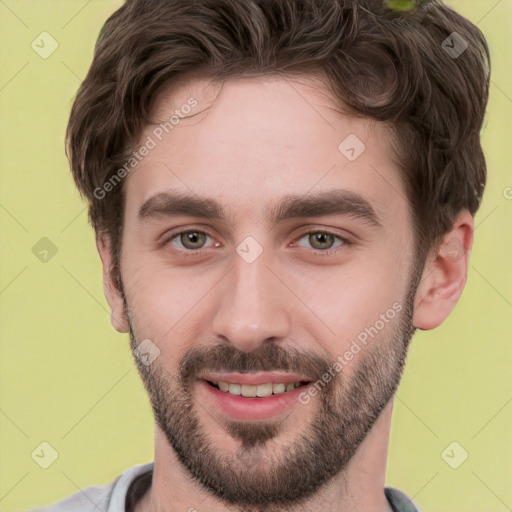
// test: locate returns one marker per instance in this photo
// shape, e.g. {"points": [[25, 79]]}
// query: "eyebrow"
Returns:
{"points": [[332, 202]]}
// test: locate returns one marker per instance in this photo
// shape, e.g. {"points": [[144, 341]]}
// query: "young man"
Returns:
{"points": [[282, 192]]}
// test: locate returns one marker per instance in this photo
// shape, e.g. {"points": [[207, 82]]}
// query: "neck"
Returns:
{"points": [[359, 487]]}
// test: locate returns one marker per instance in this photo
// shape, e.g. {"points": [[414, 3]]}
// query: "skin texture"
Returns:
{"points": [[248, 145]]}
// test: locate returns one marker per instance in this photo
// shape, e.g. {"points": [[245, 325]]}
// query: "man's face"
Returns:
{"points": [[267, 293]]}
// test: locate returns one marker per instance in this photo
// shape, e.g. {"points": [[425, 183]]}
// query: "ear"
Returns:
{"points": [[114, 296], [444, 275]]}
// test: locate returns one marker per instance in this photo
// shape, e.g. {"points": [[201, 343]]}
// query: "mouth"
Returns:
{"points": [[250, 396]]}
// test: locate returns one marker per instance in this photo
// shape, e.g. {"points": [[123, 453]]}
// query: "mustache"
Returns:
{"points": [[267, 357]]}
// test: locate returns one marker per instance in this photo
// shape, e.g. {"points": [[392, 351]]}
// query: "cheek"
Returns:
{"points": [[354, 293], [166, 306]]}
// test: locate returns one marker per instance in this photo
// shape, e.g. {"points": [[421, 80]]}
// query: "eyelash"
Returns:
{"points": [[199, 252]]}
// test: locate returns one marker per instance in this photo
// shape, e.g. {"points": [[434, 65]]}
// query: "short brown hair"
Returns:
{"points": [[393, 66]]}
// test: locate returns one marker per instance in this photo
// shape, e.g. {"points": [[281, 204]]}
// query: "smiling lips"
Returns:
{"points": [[250, 396]]}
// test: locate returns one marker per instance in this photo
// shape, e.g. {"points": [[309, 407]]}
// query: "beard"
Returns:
{"points": [[270, 471]]}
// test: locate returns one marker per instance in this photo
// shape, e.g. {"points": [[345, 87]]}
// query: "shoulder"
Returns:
{"points": [[90, 499], [100, 498], [399, 501]]}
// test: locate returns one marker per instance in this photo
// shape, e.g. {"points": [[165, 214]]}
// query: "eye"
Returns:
{"points": [[190, 240], [195, 241], [323, 241]]}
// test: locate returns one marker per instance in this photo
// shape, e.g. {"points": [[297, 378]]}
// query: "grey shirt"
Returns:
{"points": [[123, 493]]}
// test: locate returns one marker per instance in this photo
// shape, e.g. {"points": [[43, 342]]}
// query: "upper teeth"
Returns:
{"points": [[261, 390]]}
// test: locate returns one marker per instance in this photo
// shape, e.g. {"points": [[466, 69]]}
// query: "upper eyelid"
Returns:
{"points": [[326, 232]]}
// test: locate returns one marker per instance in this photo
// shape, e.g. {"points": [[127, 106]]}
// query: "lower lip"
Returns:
{"points": [[242, 408]]}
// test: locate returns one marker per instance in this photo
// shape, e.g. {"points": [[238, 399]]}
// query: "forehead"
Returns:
{"points": [[255, 139]]}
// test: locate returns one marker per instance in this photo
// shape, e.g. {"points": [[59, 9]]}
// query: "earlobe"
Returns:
{"points": [[444, 275], [112, 293]]}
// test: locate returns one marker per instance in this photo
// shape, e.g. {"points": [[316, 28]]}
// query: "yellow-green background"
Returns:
{"points": [[68, 378]]}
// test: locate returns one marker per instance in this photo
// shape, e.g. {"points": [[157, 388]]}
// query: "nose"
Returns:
{"points": [[253, 306]]}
